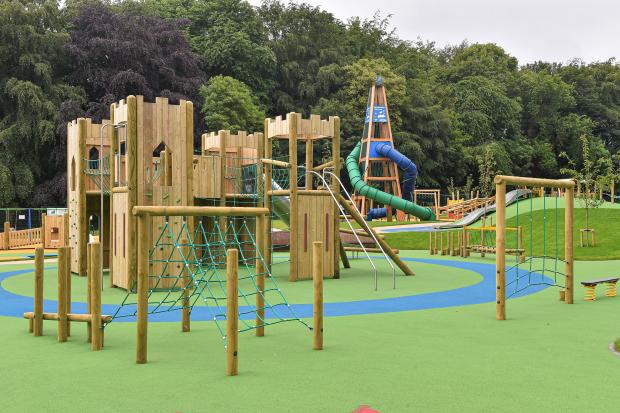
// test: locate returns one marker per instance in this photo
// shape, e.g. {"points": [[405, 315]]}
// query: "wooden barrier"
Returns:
{"points": [[317, 282], [94, 319], [232, 312], [33, 237]]}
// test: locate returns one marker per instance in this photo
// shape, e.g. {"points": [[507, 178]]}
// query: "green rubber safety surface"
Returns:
{"points": [[356, 283], [548, 356]]}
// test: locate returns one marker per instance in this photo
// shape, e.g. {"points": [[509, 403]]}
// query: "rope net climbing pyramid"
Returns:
{"points": [[187, 269]]}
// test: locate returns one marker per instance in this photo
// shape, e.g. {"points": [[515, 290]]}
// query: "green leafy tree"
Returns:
{"points": [[228, 34], [229, 104], [588, 174], [32, 39]]}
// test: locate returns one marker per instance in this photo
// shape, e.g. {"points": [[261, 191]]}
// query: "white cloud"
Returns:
{"points": [[552, 30]]}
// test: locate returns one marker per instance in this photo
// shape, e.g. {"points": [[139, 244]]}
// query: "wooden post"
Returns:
{"points": [[7, 235], [317, 282], [65, 219], [38, 292], [142, 290], [185, 300], [132, 185], [95, 297], [292, 153], [261, 247], [430, 243], [612, 190], [568, 243], [112, 178], [43, 216], [336, 191], [260, 278], [500, 250], [224, 136], [64, 271], [232, 312], [309, 163], [267, 197], [89, 286]]}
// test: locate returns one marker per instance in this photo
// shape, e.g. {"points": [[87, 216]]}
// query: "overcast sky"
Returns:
{"points": [[552, 30]]}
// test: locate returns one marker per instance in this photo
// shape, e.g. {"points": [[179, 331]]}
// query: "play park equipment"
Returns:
{"points": [[408, 185], [590, 286], [379, 183], [370, 192], [184, 228], [528, 271]]}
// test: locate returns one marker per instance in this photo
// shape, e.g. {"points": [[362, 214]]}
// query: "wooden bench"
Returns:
{"points": [[590, 286]]}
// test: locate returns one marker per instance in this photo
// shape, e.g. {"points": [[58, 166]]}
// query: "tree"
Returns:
{"points": [[588, 175], [309, 45], [485, 60], [149, 56], [228, 34], [32, 67], [229, 104]]}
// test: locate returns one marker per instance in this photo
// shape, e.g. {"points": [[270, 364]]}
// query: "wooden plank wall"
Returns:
{"points": [[119, 243], [316, 217], [55, 231], [74, 155], [206, 177], [155, 123]]}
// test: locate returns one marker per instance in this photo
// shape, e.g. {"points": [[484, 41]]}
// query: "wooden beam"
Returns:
{"points": [[199, 211], [541, 182]]}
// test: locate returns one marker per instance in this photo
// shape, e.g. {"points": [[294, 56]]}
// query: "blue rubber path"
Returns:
{"points": [[13, 305]]}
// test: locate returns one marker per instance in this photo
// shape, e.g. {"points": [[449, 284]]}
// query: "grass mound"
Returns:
{"points": [[617, 345]]}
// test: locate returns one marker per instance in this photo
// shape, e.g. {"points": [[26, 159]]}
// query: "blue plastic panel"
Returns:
{"points": [[379, 115], [373, 152]]}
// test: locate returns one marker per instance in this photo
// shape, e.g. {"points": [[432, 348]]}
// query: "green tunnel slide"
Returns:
{"points": [[379, 196]]}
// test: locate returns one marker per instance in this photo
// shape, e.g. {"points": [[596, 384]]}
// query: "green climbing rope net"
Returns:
{"points": [[543, 264]]}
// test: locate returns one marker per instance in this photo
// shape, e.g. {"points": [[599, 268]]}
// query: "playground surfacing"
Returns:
{"points": [[547, 354]]}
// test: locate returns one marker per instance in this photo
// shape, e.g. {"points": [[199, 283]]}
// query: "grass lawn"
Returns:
{"points": [[606, 222], [548, 356]]}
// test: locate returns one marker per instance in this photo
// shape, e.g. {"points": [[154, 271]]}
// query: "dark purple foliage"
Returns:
{"points": [[116, 55]]}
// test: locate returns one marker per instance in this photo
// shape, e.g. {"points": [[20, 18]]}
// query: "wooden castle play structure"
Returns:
{"points": [[144, 156]]}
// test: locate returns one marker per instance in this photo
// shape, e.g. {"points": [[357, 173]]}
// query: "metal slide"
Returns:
{"points": [[511, 197], [352, 164]]}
